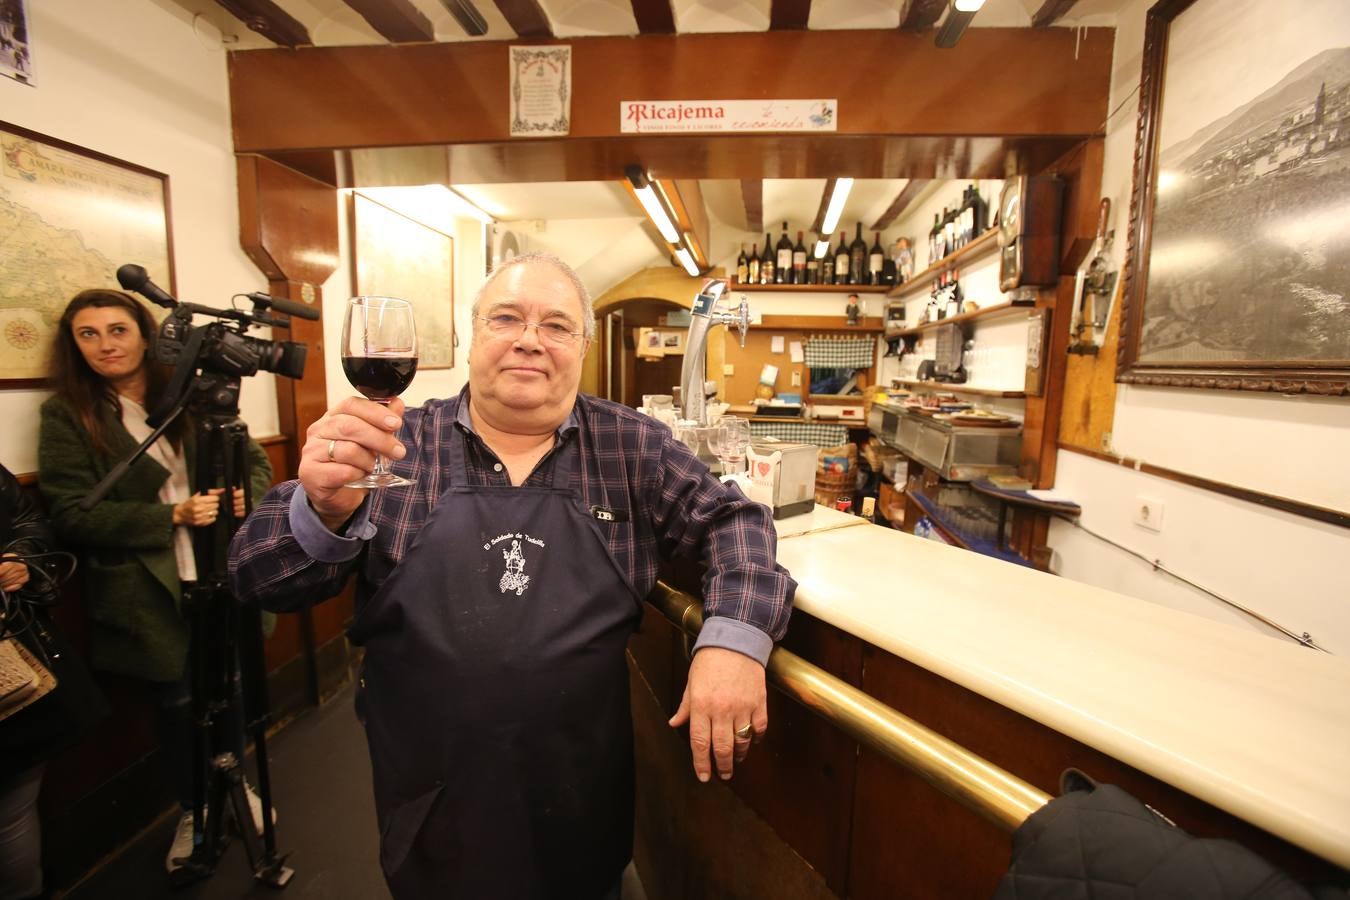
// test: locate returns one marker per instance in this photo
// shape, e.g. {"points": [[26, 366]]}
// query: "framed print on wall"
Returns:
{"points": [[395, 256], [1238, 264], [69, 217]]}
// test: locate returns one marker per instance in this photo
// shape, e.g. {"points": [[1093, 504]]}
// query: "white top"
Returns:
{"points": [[1253, 725], [175, 488]]}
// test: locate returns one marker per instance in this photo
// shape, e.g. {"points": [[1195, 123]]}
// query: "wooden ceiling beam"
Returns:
{"points": [[825, 195], [1050, 12], [526, 17], [789, 15], [691, 214], [268, 20], [397, 21], [920, 15], [907, 195], [752, 195], [654, 16]]}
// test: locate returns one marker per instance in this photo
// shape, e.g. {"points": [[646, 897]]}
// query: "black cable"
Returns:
{"points": [[19, 610], [1305, 639]]}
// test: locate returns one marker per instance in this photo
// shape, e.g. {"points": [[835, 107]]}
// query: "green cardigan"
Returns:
{"points": [[125, 543]]}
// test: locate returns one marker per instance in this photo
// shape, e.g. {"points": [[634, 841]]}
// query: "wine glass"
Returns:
{"points": [[379, 357], [732, 439]]}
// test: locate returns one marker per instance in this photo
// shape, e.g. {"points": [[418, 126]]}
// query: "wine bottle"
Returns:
{"points": [[979, 212], [799, 261], [934, 251], [875, 259], [826, 261], [752, 266], [742, 267], [766, 266], [841, 261], [953, 295], [963, 220], [857, 259], [949, 231], [782, 273], [812, 267]]}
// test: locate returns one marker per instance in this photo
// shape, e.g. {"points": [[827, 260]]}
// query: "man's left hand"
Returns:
{"points": [[724, 694]]}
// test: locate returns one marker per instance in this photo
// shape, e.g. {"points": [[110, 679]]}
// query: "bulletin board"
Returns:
{"points": [[747, 362]]}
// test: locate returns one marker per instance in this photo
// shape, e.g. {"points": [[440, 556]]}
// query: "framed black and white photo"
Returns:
{"points": [[1238, 265], [16, 53]]}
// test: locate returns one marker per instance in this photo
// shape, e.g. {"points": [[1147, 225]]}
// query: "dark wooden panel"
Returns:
{"points": [[269, 20], [526, 17], [397, 21], [1050, 83], [654, 16], [789, 14], [752, 196]]}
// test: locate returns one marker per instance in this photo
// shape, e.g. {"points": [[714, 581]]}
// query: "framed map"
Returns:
{"points": [[68, 218], [395, 256]]}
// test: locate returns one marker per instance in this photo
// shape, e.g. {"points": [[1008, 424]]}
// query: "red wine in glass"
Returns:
{"points": [[379, 358], [380, 377]]}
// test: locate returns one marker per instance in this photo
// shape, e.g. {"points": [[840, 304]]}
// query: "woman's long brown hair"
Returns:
{"points": [[89, 395]]}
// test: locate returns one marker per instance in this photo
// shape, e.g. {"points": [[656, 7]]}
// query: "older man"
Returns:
{"points": [[495, 598]]}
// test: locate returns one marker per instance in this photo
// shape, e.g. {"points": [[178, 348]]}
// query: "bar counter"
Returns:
{"points": [[1256, 726]]}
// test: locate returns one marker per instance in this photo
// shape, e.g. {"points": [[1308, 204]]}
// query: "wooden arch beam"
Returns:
{"points": [[526, 17], [397, 21], [654, 16], [268, 20]]}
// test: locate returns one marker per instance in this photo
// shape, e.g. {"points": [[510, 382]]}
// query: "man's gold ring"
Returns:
{"points": [[331, 444], [744, 732]]}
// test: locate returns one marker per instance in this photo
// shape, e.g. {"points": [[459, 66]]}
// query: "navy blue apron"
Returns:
{"points": [[495, 697]]}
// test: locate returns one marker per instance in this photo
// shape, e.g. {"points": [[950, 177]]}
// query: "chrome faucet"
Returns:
{"points": [[693, 375]]}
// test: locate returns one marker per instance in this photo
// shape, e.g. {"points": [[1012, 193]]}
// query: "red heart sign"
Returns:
{"points": [[763, 469]]}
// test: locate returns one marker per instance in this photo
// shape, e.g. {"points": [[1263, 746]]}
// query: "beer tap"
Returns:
{"points": [[704, 314]]}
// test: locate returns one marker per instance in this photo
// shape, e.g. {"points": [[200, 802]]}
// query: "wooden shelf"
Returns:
{"points": [[984, 245], [989, 312], [870, 324], [944, 388], [813, 288]]}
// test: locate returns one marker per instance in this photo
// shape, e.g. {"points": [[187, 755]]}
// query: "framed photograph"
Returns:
{"points": [[69, 217], [1238, 263], [395, 256], [16, 59]]}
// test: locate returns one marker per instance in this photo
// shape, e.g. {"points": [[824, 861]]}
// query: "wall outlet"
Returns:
{"points": [[1148, 513]]}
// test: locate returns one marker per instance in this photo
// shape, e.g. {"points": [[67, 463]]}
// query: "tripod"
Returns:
{"points": [[226, 642]]}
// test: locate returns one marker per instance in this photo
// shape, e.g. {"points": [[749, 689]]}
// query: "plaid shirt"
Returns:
{"points": [[666, 502]]}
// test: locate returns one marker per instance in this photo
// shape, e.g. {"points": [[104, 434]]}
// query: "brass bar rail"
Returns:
{"points": [[982, 787]]}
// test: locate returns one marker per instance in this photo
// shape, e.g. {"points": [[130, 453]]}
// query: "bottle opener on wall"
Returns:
{"points": [[1093, 290]]}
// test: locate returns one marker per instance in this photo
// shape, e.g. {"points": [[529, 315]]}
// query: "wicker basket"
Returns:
{"points": [[830, 486]]}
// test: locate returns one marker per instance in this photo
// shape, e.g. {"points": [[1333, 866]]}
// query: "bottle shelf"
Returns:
{"points": [[984, 245], [989, 312], [945, 388], [813, 288]]}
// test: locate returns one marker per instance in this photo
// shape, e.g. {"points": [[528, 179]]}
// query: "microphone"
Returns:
{"points": [[289, 307], [134, 278]]}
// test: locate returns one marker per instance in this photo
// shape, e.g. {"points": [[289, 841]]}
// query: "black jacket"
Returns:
{"points": [[1102, 844], [57, 720]]}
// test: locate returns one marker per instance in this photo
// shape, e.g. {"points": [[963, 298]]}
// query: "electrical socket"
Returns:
{"points": [[1148, 513]]}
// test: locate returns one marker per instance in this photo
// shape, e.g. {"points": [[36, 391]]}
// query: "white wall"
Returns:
{"points": [[1281, 565], [131, 80]]}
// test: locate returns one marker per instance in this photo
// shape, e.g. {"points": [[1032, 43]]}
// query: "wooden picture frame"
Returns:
{"points": [[1241, 151], [395, 256], [69, 217]]}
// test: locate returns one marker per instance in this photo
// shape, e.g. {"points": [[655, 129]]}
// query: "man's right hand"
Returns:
{"points": [[355, 431]]}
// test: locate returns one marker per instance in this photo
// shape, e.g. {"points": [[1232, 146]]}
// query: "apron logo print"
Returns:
{"points": [[514, 578]]}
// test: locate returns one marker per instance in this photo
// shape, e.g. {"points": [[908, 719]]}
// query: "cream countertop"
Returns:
{"points": [[1254, 725]]}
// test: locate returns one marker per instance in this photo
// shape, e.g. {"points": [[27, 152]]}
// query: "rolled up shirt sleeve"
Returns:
{"points": [[321, 544]]}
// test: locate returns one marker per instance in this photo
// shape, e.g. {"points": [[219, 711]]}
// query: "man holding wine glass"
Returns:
{"points": [[496, 593]]}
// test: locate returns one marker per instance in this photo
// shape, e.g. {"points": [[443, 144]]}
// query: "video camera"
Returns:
{"points": [[216, 347]]}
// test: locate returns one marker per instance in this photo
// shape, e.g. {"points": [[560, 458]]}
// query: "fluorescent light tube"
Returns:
{"points": [[836, 208], [969, 6], [822, 246], [687, 260], [657, 213]]}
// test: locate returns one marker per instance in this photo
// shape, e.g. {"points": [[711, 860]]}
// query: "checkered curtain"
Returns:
{"points": [[818, 433], [840, 352]]}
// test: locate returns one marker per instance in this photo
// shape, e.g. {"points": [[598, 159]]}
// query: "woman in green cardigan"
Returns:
{"points": [[135, 545]]}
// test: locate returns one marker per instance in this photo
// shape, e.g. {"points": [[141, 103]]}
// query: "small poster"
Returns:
{"points": [[541, 91], [16, 60]]}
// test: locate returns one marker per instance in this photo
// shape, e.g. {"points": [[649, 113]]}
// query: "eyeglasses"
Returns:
{"points": [[509, 327]]}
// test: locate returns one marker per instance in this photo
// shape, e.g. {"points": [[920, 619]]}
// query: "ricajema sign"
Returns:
{"points": [[674, 116]]}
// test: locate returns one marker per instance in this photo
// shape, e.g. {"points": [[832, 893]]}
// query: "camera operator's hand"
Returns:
{"points": [[13, 575], [341, 447], [199, 509]]}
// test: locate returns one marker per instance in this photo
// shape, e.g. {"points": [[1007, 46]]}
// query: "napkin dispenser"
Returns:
{"points": [[783, 476]]}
